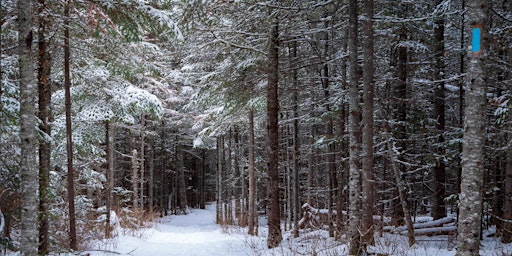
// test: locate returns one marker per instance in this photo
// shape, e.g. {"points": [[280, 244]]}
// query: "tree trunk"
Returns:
{"points": [[182, 187], [401, 186], [470, 206], [506, 236], [439, 208], [141, 161], [354, 185], [109, 138], [220, 180], [28, 164], [367, 130], [274, 219], [342, 170], [44, 114], [135, 179], [296, 152], [399, 103], [151, 181], [73, 244], [252, 176]]}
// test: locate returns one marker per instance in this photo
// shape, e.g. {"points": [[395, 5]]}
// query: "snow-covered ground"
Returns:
{"points": [[197, 234], [193, 234]]}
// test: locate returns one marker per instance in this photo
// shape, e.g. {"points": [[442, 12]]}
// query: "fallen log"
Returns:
{"points": [[433, 231]]}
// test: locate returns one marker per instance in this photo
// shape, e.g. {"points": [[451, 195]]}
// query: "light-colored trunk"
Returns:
{"points": [[135, 179], [28, 88], [470, 198]]}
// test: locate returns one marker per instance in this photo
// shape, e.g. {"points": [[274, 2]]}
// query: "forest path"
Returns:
{"points": [[194, 234]]}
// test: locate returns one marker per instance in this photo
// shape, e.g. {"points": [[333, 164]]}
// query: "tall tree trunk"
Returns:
{"points": [[439, 208], [506, 236], [342, 171], [401, 186], [220, 180], [354, 211], [470, 206], [142, 160], [273, 195], [44, 114], [109, 138], [151, 181], [28, 179], [182, 187], [296, 152], [367, 130], [73, 244], [135, 179], [252, 176]]}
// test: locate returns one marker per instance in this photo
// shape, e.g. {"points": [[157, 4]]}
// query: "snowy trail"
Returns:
{"points": [[195, 234]]}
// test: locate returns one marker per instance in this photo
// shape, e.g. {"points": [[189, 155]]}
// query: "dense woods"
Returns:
{"points": [[374, 112]]}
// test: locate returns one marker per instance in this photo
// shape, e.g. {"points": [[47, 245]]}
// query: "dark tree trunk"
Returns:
{"points": [[44, 114], [252, 176], [273, 195], [220, 180], [355, 138], [506, 236], [182, 187], [73, 244], [367, 130], [342, 170], [439, 208], [109, 138]]}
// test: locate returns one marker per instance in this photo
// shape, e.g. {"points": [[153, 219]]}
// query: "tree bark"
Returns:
{"points": [[439, 208], [142, 161], [73, 244], [220, 180], [368, 196], [252, 176], [182, 187], [470, 206], [44, 115], [151, 181], [296, 152], [355, 139], [506, 236], [135, 180], [28, 171], [274, 219], [109, 135]]}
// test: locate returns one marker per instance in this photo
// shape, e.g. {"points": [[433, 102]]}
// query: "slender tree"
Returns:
{"points": [[73, 244], [44, 115], [252, 176], [355, 139], [28, 165], [274, 219], [109, 138], [368, 196], [438, 208], [470, 206]]}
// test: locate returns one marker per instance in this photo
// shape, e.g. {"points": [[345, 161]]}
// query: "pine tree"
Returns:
{"points": [[273, 195]]}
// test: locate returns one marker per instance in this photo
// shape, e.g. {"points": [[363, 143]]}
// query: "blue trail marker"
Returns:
{"points": [[476, 40]]}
